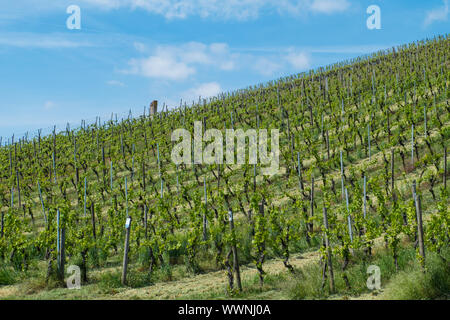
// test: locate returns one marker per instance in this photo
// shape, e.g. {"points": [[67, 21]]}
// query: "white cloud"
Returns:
{"points": [[173, 62], [298, 60], [204, 90], [329, 6], [230, 9], [438, 14], [192, 52], [160, 67], [115, 83], [241, 10]]}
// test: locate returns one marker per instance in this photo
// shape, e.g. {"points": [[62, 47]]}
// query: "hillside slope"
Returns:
{"points": [[374, 126]]}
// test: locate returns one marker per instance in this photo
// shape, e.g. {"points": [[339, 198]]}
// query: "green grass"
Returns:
{"points": [[409, 283], [8, 275], [417, 285]]}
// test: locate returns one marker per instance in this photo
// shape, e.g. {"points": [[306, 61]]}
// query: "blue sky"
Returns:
{"points": [[129, 52]]}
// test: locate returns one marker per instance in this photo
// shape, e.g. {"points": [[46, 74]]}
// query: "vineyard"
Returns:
{"points": [[362, 181]]}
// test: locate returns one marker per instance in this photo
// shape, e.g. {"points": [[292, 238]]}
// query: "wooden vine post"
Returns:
{"points": [[125, 251], [60, 247], [311, 224], [349, 218], [299, 168], [327, 245], [205, 212], [365, 198], [420, 230], [234, 250], [93, 220], [392, 174], [262, 248]]}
